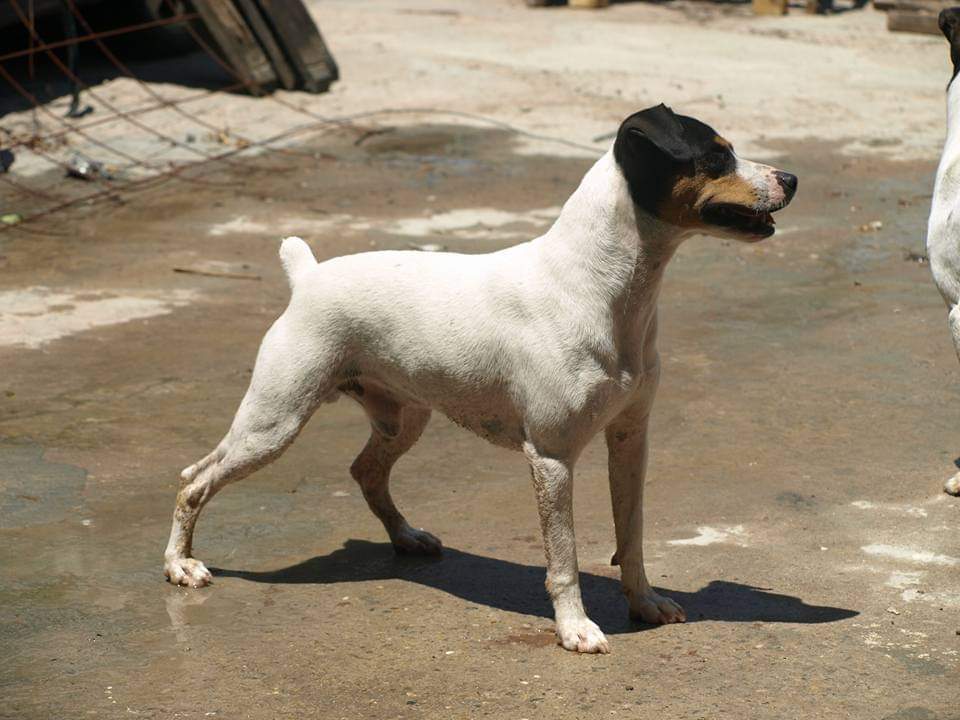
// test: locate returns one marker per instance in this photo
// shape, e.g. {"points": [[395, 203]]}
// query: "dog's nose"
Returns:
{"points": [[788, 182]]}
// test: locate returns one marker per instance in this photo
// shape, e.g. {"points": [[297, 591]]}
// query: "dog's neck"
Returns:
{"points": [[607, 246]]}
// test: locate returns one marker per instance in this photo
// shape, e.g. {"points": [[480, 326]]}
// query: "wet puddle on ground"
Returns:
{"points": [[33, 490]]}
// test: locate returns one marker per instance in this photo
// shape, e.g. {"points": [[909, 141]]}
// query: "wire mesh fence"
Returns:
{"points": [[93, 109], [69, 139]]}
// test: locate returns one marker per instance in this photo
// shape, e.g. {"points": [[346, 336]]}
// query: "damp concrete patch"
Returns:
{"points": [[33, 490], [34, 316]]}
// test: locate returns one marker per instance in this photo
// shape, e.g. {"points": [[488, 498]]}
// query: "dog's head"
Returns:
{"points": [[949, 22], [679, 170]]}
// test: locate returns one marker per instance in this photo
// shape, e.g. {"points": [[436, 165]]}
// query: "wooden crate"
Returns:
{"points": [[769, 7], [912, 21], [917, 16], [269, 43]]}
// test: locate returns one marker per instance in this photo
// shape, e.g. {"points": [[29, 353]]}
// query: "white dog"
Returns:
{"points": [[536, 348], [943, 228]]}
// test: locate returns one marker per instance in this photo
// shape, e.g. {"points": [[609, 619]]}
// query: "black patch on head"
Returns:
{"points": [[949, 22], [656, 145]]}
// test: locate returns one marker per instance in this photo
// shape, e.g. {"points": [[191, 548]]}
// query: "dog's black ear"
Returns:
{"points": [[662, 128], [650, 148], [948, 21]]}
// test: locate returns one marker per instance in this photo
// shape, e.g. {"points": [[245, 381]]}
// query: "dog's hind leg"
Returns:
{"points": [[395, 429], [283, 393], [952, 486]]}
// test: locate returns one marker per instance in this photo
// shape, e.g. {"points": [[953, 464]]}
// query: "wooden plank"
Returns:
{"points": [[931, 6], [923, 6], [267, 42], [300, 39], [769, 7], [236, 43], [912, 21]]}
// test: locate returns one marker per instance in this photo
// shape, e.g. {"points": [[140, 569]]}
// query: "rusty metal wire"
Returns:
{"points": [[105, 34], [125, 70], [83, 86], [110, 185], [43, 143]]}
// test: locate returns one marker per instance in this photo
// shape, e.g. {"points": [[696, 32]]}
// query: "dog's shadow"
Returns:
{"points": [[519, 588]]}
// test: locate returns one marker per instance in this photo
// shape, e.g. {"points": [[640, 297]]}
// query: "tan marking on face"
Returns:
{"points": [[682, 205], [733, 189], [723, 142]]}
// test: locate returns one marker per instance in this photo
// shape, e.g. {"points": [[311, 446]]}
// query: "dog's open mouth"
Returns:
{"points": [[743, 219]]}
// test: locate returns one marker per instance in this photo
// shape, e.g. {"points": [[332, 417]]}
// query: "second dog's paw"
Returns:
{"points": [[952, 486], [187, 571], [416, 542], [656, 609], [582, 635]]}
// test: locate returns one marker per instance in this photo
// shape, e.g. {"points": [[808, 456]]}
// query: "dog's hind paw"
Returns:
{"points": [[656, 609], [187, 571], [416, 542], [952, 486], [582, 635]]}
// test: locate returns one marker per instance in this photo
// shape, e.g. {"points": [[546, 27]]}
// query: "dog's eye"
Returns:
{"points": [[717, 162], [719, 156]]}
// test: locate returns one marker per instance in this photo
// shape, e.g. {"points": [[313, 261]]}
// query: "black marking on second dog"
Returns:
{"points": [[949, 22]]}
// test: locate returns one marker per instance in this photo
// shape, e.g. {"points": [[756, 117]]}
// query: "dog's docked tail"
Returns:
{"points": [[297, 258]]}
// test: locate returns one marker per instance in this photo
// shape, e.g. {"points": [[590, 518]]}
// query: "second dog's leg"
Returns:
{"points": [[372, 468], [627, 453], [553, 483], [952, 485]]}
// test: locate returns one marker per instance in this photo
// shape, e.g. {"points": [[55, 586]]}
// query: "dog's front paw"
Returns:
{"points": [[952, 486], [416, 542], [582, 635], [187, 571], [656, 609]]}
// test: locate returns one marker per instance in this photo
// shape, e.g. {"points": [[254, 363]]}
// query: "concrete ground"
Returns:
{"points": [[806, 420]]}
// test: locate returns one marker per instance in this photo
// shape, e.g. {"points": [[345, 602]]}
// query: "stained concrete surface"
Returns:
{"points": [[806, 419]]}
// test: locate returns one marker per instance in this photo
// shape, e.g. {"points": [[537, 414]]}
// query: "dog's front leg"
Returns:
{"points": [[627, 453], [553, 483]]}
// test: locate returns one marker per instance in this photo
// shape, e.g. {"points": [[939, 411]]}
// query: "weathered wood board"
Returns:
{"points": [[912, 21], [236, 43], [300, 38], [918, 16], [769, 7], [267, 42]]}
